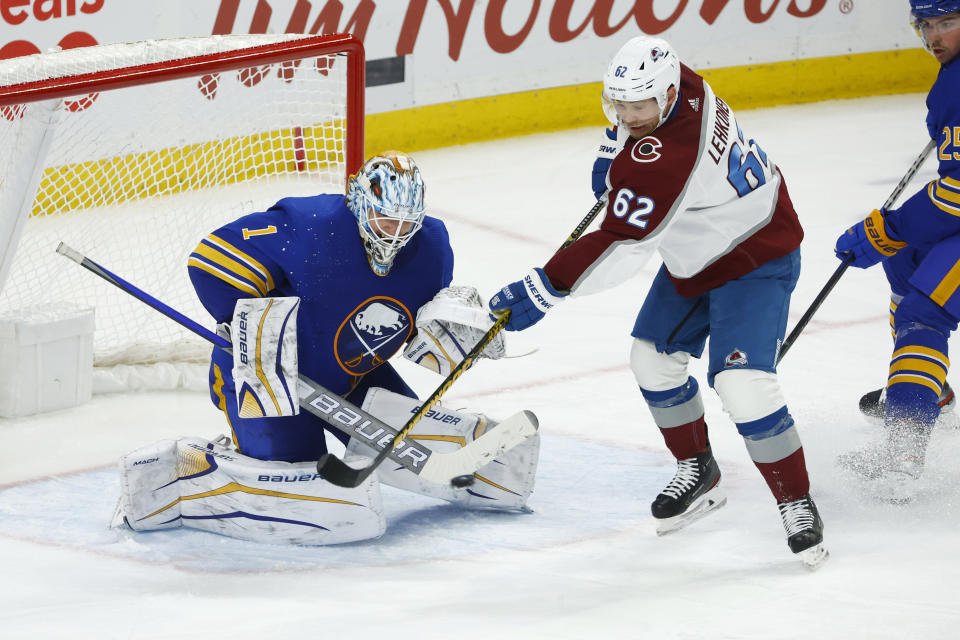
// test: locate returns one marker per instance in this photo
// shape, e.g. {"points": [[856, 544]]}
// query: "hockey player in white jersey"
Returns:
{"points": [[687, 183]]}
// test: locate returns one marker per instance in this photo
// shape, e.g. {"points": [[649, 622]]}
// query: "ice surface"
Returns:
{"points": [[586, 563]]}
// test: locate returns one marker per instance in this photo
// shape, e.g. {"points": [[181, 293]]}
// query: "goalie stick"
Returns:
{"points": [[832, 282], [338, 472], [348, 418]]}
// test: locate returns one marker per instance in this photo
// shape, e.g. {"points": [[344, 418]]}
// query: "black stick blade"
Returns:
{"points": [[336, 471]]}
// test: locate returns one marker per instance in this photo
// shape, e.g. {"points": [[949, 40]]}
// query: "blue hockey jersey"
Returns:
{"points": [[350, 320], [934, 212]]}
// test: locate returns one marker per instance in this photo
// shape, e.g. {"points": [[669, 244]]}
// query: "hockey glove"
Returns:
{"points": [[867, 242], [605, 156], [528, 300]]}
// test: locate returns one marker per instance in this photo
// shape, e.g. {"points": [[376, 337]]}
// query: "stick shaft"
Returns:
{"points": [[832, 282]]}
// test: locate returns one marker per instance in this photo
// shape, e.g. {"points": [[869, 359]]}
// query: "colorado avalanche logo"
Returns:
{"points": [[736, 358], [656, 53], [646, 149], [371, 334]]}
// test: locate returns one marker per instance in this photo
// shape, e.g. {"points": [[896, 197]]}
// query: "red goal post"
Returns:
{"points": [[132, 152]]}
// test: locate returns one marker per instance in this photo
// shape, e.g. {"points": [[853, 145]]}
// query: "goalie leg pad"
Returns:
{"points": [[504, 483], [198, 484]]}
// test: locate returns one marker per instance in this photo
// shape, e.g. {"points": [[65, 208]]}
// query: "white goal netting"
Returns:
{"points": [[133, 177]]}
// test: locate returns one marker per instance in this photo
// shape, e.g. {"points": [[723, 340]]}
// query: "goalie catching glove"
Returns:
{"points": [[448, 327]]}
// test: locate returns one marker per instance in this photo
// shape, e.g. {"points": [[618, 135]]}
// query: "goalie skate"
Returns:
{"points": [[873, 406], [690, 495]]}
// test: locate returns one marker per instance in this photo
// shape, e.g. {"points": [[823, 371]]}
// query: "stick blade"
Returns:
{"points": [[494, 443], [336, 471]]}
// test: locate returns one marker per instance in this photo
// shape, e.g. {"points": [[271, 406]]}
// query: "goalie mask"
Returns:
{"points": [[386, 197], [644, 68]]}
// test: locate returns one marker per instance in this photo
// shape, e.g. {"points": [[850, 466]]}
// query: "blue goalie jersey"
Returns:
{"points": [[350, 320]]}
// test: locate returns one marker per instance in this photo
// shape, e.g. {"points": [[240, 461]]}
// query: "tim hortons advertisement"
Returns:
{"points": [[423, 52]]}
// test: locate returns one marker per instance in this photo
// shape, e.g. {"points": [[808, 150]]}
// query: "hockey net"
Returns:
{"points": [[132, 152]]}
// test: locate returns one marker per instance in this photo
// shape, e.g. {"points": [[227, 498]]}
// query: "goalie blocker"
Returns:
{"points": [[265, 368]]}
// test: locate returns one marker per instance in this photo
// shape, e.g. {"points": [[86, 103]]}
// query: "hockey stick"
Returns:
{"points": [[348, 418], [587, 219], [832, 282], [336, 471]]}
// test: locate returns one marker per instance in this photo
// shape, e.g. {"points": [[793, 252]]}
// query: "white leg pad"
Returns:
{"points": [[748, 394], [194, 483], [655, 371], [505, 483]]}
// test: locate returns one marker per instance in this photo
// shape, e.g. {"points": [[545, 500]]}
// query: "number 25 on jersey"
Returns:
{"points": [[949, 141]]}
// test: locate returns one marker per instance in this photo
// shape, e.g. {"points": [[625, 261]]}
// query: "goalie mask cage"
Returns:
{"points": [[133, 152]]}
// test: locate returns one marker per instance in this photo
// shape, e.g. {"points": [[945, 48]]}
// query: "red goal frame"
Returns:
{"points": [[315, 46]]}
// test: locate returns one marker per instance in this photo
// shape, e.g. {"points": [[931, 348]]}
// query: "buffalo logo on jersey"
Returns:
{"points": [[371, 334], [646, 149]]}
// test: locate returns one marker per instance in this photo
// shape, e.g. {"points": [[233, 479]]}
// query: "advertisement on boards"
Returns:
{"points": [[426, 52]]}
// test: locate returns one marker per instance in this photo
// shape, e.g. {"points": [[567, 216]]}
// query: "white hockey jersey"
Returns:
{"points": [[696, 190]]}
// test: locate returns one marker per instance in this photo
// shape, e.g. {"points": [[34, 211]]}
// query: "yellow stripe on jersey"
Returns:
{"points": [[237, 253], [226, 277], [948, 285], [945, 195], [907, 365], [232, 266], [914, 379], [878, 237], [917, 350]]}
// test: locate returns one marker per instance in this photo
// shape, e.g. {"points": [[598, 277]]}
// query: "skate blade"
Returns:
{"points": [[814, 557], [710, 501]]}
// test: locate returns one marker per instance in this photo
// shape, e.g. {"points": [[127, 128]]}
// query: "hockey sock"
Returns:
{"points": [[678, 412], [918, 370], [774, 447]]}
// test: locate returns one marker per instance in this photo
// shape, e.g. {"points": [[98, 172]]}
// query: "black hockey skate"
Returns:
{"points": [[804, 530], [691, 494], [873, 406]]}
